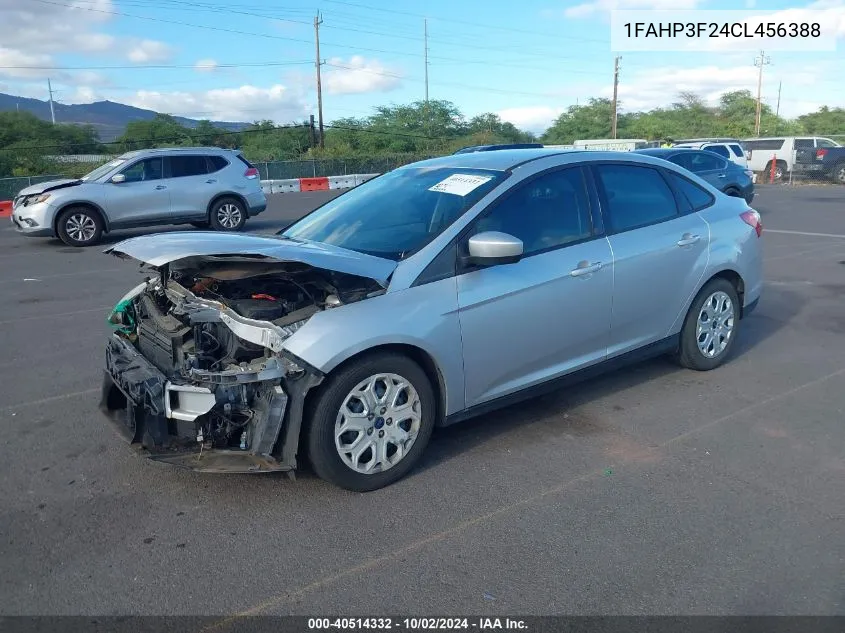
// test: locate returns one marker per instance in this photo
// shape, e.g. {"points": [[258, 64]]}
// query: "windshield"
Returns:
{"points": [[394, 215], [102, 170]]}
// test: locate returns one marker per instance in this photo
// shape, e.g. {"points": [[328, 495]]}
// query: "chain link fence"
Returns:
{"points": [[285, 169], [9, 187]]}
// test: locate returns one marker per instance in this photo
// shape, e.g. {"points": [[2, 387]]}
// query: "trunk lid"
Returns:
{"points": [[165, 248]]}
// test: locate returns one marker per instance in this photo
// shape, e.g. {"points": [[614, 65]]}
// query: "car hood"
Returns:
{"points": [[165, 248], [50, 185]]}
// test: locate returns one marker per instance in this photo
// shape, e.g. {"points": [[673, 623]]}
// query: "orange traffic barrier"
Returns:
{"points": [[6, 209], [314, 184]]}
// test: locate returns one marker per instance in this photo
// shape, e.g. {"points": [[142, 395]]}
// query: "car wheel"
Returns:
{"points": [[733, 193], [200, 225], [79, 226], [839, 173], [371, 422], [227, 214], [711, 326], [780, 170]]}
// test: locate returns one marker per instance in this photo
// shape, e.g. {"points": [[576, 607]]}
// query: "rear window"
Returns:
{"points": [[697, 197], [737, 150], [181, 166], [216, 163], [769, 143], [245, 161]]}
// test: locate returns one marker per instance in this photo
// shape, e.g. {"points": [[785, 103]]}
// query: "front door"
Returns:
{"points": [[659, 254], [143, 198], [549, 313]]}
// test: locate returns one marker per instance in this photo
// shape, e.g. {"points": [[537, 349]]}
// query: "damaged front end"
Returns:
{"points": [[197, 374]]}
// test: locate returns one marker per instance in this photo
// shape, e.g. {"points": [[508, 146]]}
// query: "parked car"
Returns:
{"points": [[825, 162], [208, 187], [726, 176], [729, 150], [781, 150], [433, 293]]}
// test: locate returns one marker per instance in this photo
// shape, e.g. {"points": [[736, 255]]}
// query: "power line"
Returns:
{"points": [[157, 66]]}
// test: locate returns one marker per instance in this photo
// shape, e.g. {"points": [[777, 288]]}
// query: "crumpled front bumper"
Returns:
{"points": [[139, 401]]}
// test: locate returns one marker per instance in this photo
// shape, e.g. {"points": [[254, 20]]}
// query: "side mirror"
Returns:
{"points": [[118, 178], [492, 248]]}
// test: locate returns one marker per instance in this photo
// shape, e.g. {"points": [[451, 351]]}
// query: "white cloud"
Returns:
{"points": [[246, 103], [206, 65], [146, 51], [358, 75], [21, 65], [531, 118], [587, 9]]}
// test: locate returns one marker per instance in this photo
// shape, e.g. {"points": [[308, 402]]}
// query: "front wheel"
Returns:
{"points": [[79, 226], [371, 422], [711, 326], [227, 214]]}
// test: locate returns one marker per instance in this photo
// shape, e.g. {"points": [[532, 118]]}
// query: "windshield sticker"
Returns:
{"points": [[460, 184]]}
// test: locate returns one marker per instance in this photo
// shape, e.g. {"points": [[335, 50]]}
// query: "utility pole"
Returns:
{"points": [[52, 111], [317, 22], [760, 62], [615, 92], [425, 52]]}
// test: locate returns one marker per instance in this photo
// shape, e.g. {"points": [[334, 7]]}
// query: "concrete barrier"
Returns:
{"points": [[362, 178], [290, 185], [341, 182], [6, 209], [321, 183]]}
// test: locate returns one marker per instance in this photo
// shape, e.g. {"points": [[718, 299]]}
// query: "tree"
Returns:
{"points": [[825, 121], [583, 122]]}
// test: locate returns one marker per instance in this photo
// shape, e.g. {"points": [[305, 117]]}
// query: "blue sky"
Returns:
{"points": [[247, 59]]}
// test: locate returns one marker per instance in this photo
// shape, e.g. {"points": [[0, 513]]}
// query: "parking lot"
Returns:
{"points": [[653, 490]]}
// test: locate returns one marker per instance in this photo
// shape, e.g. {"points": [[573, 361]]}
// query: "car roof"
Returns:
{"points": [[660, 152], [170, 150], [500, 160]]}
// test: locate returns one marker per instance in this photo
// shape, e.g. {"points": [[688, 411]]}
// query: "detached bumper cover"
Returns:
{"points": [[135, 399]]}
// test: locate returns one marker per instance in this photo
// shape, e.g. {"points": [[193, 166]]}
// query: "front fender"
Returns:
{"points": [[425, 317]]}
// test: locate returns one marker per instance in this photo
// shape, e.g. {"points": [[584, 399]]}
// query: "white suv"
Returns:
{"points": [[729, 150], [781, 150]]}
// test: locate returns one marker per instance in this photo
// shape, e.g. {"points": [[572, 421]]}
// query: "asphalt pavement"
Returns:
{"points": [[653, 490]]}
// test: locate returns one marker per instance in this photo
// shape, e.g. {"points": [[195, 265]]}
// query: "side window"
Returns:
{"points": [[187, 166], [737, 151], [770, 143], [825, 142], [804, 143], [144, 170], [705, 161], [635, 196], [550, 211], [216, 163], [697, 197], [682, 160], [721, 150]]}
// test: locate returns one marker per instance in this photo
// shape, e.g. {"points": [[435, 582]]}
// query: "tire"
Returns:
{"points": [[325, 446], [227, 214], [839, 173], [201, 225], [692, 355], [780, 170], [79, 226], [734, 193]]}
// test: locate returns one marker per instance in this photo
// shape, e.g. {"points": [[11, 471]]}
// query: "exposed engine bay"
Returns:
{"points": [[199, 348]]}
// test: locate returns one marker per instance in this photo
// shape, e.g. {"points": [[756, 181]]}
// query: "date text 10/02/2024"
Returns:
{"points": [[417, 624], [723, 30]]}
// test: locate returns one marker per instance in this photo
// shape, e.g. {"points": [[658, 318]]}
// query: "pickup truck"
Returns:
{"points": [[826, 162]]}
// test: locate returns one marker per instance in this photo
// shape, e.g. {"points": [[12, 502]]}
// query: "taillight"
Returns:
{"points": [[752, 219], [820, 154], [251, 173]]}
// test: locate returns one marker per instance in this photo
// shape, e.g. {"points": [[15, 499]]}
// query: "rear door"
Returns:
{"points": [[143, 198], [192, 186], [706, 165], [660, 251]]}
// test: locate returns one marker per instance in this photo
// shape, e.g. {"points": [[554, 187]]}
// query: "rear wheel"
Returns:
{"points": [[227, 214], [711, 326], [734, 193], [839, 173], [780, 171], [79, 226], [371, 422]]}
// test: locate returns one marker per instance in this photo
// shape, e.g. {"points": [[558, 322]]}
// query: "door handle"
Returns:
{"points": [[210, 181], [688, 239], [159, 187], [722, 176], [585, 268]]}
